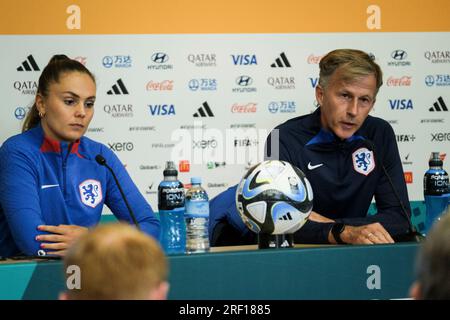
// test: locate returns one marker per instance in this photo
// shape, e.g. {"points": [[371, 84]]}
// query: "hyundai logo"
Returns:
{"points": [[20, 113], [160, 57], [399, 55], [244, 81]]}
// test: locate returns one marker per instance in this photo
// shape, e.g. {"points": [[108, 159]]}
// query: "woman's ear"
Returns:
{"points": [[40, 105]]}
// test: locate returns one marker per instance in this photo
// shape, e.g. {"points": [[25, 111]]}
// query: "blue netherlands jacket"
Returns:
{"points": [[47, 182], [345, 176]]}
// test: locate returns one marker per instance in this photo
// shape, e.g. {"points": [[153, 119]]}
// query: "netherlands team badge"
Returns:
{"points": [[363, 161], [91, 192]]}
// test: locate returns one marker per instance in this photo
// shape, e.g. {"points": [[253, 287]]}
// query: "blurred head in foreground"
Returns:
{"points": [[433, 263], [115, 261]]}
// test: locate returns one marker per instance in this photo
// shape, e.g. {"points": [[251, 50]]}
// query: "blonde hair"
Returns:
{"points": [[116, 261], [434, 260], [354, 64]]}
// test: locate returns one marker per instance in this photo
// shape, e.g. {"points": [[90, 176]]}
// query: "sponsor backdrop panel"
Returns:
{"points": [[208, 101]]}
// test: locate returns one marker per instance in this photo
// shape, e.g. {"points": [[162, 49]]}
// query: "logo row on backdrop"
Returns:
{"points": [[162, 60]]}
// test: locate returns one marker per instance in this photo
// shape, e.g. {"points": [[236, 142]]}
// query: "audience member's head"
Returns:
{"points": [[433, 263], [116, 261]]}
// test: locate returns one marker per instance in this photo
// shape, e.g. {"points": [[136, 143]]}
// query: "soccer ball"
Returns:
{"points": [[274, 197]]}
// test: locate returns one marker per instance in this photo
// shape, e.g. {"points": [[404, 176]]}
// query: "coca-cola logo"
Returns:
{"points": [[312, 59], [397, 82], [81, 60], [166, 85], [244, 108]]}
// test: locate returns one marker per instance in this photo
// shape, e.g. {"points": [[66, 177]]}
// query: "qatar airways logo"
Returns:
{"points": [[281, 83], [202, 59], [437, 56], [404, 81], [26, 87], [165, 85]]}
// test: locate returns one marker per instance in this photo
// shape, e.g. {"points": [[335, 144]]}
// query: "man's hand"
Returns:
{"points": [[61, 238], [369, 234], [314, 216]]}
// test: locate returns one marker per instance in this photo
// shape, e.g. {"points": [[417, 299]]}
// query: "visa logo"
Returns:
{"points": [[401, 104], [244, 59], [313, 81], [162, 109]]}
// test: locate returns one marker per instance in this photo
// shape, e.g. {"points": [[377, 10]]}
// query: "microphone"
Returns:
{"points": [[412, 234], [102, 161]]}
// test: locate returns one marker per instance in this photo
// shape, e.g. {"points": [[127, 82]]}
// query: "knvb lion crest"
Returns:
{"points": [[91, 192], [363, 161]]}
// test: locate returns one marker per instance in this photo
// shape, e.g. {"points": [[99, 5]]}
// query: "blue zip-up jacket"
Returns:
{"points": [[43, 181], [344, 175]]}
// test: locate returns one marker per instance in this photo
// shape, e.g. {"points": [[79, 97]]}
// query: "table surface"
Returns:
{"points": [[245, 272]]}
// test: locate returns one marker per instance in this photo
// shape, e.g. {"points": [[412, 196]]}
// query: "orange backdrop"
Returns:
{"points": [[217, 16]]}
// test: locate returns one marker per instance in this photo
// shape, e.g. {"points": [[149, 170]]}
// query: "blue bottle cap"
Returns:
{"points": [[196, 180]]}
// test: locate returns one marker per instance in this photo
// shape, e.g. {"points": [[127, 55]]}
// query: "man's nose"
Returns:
{"points": [[352, 108]]}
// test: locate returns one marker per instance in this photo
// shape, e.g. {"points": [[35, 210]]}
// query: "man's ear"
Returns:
{"points": [[415, 292], [160, 292], [319, 94]]}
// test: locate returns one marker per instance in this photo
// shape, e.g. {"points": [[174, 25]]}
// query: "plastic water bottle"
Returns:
{"points": [[171, 211], [436, 190], [197, 216]]}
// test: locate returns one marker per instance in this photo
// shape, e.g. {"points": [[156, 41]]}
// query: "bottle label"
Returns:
{"points": [[170, 196], [197, 209], [435, 182]]}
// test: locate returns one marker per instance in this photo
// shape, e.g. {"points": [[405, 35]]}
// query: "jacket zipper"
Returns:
{"points": [[64, 166]]}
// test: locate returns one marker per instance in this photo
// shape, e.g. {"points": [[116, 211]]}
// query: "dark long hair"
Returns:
{"points": [[58, 65]]}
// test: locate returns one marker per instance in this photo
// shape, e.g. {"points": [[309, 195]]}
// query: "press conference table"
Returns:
{"points": [[303, 272]]}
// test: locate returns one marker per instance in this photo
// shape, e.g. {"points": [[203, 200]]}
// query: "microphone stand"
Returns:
{"points": [[102, 161]]}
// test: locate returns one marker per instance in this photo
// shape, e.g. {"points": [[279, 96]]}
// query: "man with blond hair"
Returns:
{"points": [[348, 156], [116, 261]]}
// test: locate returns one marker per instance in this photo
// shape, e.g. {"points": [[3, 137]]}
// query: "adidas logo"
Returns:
{"points": [[285, 244], [287, 216], [439, 105], [201, 111], [118, 88], [29, 65], [281, 62]]}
